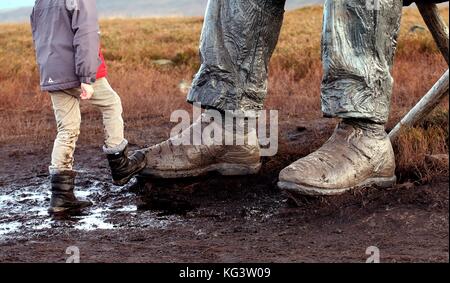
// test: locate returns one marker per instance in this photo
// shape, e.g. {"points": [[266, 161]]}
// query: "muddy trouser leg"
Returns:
{"points": [[68, 120], [359, 43], [237, 42], [66, 105]]}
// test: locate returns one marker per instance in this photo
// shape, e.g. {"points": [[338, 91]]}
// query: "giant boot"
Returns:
{"points": [[359, 42], [358, 155], [181, 157], [237, 42], [63, 199]]}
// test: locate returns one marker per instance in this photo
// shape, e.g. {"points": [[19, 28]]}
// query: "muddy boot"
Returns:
{"points": [[358, 155], [178, 158], [124, 167], [63, 199]]}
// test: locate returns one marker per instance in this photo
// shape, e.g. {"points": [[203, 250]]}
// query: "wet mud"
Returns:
{"points": [[214, 218]]}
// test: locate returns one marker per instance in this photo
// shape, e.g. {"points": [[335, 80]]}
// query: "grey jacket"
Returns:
{"points": [[66, 39]]}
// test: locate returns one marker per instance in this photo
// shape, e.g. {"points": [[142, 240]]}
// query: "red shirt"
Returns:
{"points": [[102, 69]]}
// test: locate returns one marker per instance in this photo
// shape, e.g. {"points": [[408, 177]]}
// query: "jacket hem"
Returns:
{"points": [[61, 86]]}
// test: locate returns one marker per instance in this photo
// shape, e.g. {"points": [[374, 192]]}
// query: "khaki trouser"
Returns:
{"points": [[66, 105]]}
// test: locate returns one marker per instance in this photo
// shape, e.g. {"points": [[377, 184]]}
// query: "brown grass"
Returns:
{"points": [[415, 144], [150, 92]]}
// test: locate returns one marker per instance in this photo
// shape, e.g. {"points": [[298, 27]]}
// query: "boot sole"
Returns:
{"points": [[61, 210], [379, 182], [224, 169], [126, 180]]}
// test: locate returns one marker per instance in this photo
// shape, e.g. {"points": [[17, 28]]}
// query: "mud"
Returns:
{"points": [[214, 218]]}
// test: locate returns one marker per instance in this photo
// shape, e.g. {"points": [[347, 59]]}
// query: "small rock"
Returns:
{"points": [[406, 186], [184, 86], [163, 62], [417, 28]]}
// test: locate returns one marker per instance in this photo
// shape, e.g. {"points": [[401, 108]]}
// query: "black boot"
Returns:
{"points": [[63, 199], [124, 167]]}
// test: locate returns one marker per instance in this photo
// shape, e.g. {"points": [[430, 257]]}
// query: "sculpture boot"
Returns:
{"points": [[178, 157], [358, 155]]}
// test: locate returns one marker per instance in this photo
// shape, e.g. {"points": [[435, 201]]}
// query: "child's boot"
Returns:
{"points": [[63, 198], [124, 167]]}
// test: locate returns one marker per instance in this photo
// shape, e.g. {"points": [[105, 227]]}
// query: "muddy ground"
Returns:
{"points": [[216, 219]]}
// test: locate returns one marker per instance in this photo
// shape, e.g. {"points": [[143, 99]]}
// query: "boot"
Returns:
{"points": [[173, 159], [63, 198], [358, 155], [124, 167]]}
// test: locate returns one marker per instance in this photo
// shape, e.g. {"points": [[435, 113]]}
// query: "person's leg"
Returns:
{"points": [[237, 42], [123, 168], [359, 43], [68, 118]]}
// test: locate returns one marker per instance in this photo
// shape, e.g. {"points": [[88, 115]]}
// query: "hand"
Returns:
{"points": [[87, 91]]}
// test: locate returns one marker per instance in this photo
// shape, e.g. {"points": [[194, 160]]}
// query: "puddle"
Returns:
{"points": [[96, 220], [23, 210], [9, 228]]}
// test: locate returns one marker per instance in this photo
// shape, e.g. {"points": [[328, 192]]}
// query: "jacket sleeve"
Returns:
{"points": [[86, 39]]}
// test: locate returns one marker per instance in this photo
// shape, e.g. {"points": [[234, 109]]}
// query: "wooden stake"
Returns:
{"points": [[424, 107], [437, 26]]}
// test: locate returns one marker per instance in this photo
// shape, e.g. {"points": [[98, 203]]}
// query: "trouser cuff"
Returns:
{"points": [[58, 171], [117, 149]]}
